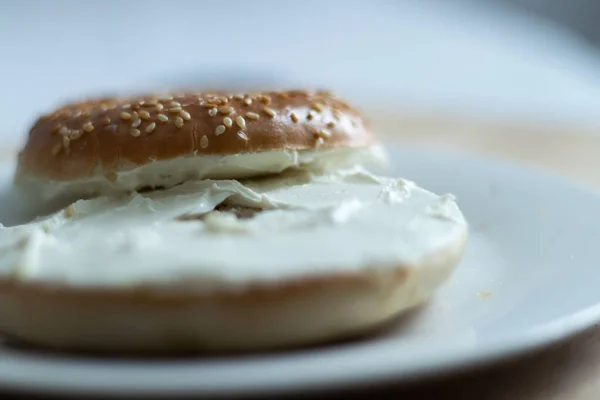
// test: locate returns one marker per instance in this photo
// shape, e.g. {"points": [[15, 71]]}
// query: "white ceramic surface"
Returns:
{"points": [[531, 277]]}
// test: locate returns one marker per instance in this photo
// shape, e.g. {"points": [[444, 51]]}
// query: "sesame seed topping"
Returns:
{"points": [[150, 127], [152, 102], [64, 130], [247, 101], [163, 118], [159, 107], [174, 110], [66, 142], [85, 114], [144, 115], [112, 127], [136, 123], [212, 112], [106, 121], [330, 124], [185, 115], [69, 211], [175, 104], [135, 107], [76, 134], [264, 99], [125, 115], [134, 115], [225, 110], [204, 142], [165, 98], [324, 133], [227, 122], [238, 96], [310, 115], [56, 149], [316, 107], [240, 121], [219, 130], [178, 122], [242, 135], [294, 117], [88, 127], [135, 132], [269, 112], [252, 115]]}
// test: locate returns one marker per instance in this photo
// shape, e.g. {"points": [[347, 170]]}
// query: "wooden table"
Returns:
{"points": [[568, 370]]}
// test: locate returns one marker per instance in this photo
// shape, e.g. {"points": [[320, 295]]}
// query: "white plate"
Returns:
{"points": [[531, 277]]}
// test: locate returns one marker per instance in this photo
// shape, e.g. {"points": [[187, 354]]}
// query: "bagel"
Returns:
{"points": [[211, 262], [105, 145]]}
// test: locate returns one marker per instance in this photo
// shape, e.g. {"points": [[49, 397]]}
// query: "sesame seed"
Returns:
{"points": [[159, 107], [209, 105], [316, 107], [134, 115], [88, 127], [336, 114], [144, 115], [150, 127], [175, 104], [56, 149], [125, 115], [69, 211], [66, 142], [152, 102], [330, 124], [135, 132], [227, 122], [238, 96], [219, 130], [225, 110], [163, 118], [76, 134], [126, 106], [212, 112], [111, 176], [185, 115], [252, 115], [264, 99], [294, 117], [141, 102], [64, 130], [106, 121], [242, 135], [135, 107], [174, 110], [112, 127], [204, 142], [240, 121], [269, 112], [136, 123], [165, 98], [310, 115], [247, 101], [324, 133], [85, 114], [179, 122]]}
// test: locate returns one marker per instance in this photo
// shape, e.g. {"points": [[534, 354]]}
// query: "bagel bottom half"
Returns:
{"points": [[290, 314]]}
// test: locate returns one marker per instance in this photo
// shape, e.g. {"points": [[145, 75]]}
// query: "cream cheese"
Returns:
{"points": [[168, 173], [309, 224]]}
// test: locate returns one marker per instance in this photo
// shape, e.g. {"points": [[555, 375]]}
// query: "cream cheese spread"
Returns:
{"points": [[168, 173], [305, 224]]}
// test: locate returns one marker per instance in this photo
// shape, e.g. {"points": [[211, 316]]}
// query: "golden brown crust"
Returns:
{"points": [[110, 135]]}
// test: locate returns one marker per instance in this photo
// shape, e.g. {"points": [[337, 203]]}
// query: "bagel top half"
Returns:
{"points": [[91, 147]]}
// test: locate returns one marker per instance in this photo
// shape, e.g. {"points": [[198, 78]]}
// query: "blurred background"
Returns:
{"points": [[414, 66]]}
